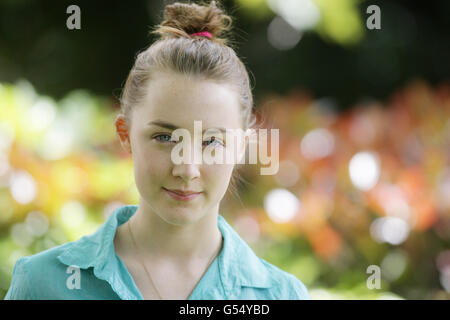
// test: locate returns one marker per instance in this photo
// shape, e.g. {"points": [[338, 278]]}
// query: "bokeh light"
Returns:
{"points": [[317, 143], [73, 214], [394, 265], [58, 141], [389, 229], [281, 35], [37, 223], [300, 14], [281, 205], [23, 187], [364, 168], [42, 114], [20, 235]]}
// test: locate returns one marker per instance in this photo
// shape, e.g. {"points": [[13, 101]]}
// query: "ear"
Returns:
{"points": [[123, 132]]}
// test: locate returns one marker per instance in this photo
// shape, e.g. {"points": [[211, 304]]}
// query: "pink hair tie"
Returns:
{"points": [[203, 34]]}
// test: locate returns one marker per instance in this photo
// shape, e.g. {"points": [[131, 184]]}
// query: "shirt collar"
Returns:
{"points": [[238, 264]]}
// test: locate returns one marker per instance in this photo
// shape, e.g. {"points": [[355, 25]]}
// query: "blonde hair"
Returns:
{"points": [[180, 52]]}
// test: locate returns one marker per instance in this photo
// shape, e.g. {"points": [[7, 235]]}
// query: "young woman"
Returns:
{"points": [[175, 244]]}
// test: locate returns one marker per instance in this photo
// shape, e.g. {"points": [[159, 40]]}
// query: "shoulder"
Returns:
{"points": [[34, 272], [19, 287], [286, 285], [44, 260]]}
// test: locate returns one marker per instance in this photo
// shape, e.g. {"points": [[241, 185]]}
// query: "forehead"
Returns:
{"points": [[181, 100]]}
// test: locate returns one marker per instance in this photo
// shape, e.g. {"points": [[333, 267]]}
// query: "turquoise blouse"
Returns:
{"points": [[236, 273]]}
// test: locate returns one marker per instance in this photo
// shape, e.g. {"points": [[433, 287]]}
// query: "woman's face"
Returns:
{"points": [[175, 99]]}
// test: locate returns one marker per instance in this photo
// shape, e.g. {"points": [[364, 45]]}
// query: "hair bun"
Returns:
{"points": [[184, 19]]}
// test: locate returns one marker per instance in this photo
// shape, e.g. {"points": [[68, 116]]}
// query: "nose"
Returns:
{"points": [[186, 171]]}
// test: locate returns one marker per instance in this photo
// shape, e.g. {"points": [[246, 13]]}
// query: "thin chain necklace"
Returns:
{"points": [[148, 273]]}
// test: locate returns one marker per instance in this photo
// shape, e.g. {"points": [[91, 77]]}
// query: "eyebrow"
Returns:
{"points": [[170, 126]]}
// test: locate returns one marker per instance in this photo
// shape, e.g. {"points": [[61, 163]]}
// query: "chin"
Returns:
{"points": [[181, 216]]}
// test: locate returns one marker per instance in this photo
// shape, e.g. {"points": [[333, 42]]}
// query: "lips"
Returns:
{"points": [[181, 192], [182, 195]]}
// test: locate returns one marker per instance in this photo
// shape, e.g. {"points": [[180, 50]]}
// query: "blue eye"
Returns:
{"points": [[163, 135], [213, 139]]}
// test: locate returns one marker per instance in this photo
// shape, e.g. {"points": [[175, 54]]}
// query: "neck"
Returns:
{"points": [[158, 238]]}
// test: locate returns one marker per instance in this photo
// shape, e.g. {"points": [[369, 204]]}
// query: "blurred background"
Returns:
{"points": [[363, 114]]}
